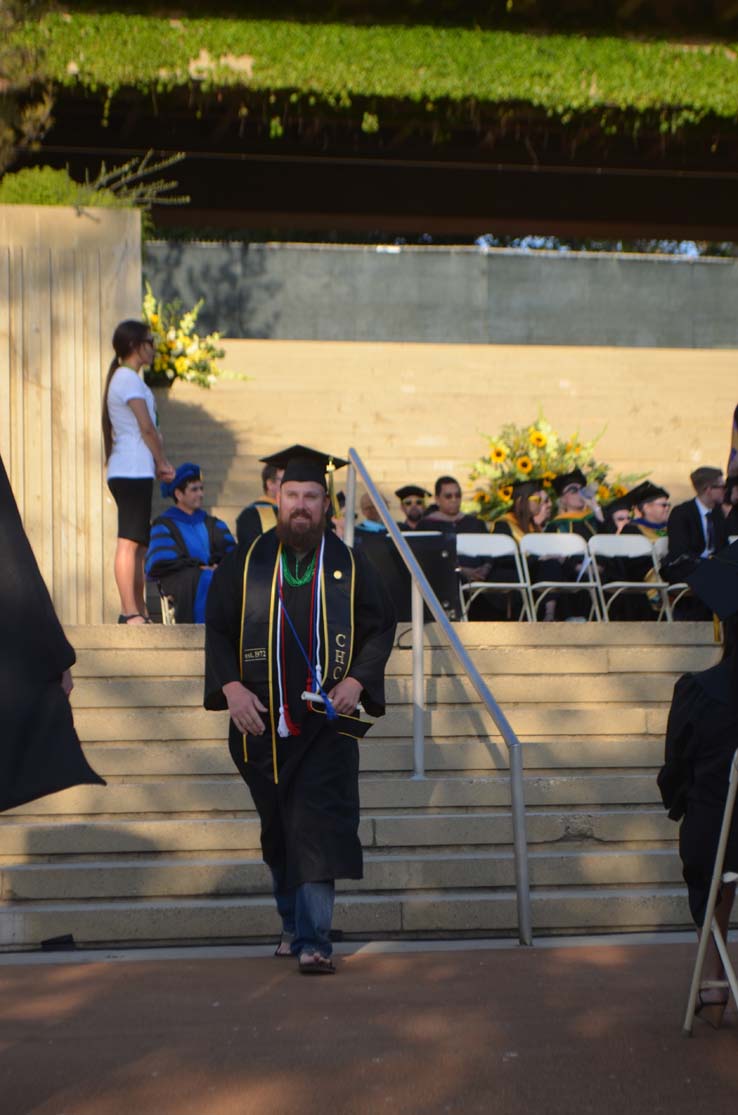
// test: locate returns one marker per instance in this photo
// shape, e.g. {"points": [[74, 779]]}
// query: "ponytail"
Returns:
{"points": [[128, 336]]}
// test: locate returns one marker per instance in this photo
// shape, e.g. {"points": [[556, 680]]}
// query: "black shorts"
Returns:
{"points": [[133, 498]]}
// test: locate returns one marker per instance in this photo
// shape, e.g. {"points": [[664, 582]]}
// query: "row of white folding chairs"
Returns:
{"points": [[534, 592]]}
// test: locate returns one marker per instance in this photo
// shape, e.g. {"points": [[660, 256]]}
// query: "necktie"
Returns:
{"points": [[710, 532]]}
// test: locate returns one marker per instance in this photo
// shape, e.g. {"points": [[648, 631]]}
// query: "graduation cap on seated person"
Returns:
{"points": [[645, 492], [559, 483], [185, 472], [527, 487], [411, 490], [715, 581]]}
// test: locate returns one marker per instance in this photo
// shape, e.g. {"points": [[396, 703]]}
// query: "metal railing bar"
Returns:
{"points": [[503, 725]]}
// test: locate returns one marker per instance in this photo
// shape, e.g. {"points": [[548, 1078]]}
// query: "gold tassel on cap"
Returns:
{"points": [[330, 468], [716, 632]]}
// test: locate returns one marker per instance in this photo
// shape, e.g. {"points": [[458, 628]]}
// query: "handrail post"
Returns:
{"points": [[350, 508], [418, 683], [520, 844]]}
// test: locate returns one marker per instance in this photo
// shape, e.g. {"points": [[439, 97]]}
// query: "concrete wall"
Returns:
{"points": [[417, 411], [67, 277], [451, 295]]}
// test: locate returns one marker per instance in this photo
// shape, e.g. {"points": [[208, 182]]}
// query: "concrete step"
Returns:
{"points": [[64, 837], [231, 796], [464, 912], [615, 688], [157, 877], [193, 759], [486, 636], [185, 661], [529, 722]]}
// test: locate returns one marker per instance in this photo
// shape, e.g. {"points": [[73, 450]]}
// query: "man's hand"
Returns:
{"points": [[345, 695], [244, 707], [66, 682]]}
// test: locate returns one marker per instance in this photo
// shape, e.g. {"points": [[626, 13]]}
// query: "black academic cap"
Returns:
{"points": [[622, 503], [560, 482], [645, 492], [526, 487], [715, 581], [301, 463], [411, 490]]}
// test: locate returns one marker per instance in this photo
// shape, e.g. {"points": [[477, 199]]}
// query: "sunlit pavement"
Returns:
{"points": [[563, 1027]]}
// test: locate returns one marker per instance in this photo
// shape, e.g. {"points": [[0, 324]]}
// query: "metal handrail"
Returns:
{"points": [[421, 590]]}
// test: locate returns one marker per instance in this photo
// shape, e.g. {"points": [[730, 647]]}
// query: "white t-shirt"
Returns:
{"points": [[131, 457]]}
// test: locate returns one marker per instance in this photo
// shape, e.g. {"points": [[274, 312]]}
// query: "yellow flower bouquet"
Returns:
{"points": [[179, 351], [537, 452]]}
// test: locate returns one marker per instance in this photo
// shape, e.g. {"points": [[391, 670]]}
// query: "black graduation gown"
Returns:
{"points": [[310, 817], [40, 752], [701, 739], [250, 522]]}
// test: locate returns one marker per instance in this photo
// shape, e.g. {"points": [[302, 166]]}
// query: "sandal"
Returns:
{"points": [[284, 946], [315, 964], [133, 615]]}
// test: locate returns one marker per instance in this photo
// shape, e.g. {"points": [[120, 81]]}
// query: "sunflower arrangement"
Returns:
{"points": [[536, 451], [180, 352]]}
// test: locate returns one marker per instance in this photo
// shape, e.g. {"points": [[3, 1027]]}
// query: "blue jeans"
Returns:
{"points": [[306, 913]]}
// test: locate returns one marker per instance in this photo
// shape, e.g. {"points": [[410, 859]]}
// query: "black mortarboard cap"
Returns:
{"points": [[622, 503], [302, 463], [715, 581], [526, 487], [645, 492], [560, 482], [411, 490]]}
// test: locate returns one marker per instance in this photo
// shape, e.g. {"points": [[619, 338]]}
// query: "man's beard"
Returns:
{"points": [[414, 514], [298, 535]]}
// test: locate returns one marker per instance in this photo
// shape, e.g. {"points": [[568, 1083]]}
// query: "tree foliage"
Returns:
{"points": [[25, 89], [429, 67]]}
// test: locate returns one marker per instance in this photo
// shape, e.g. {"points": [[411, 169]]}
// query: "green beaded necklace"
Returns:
{"points": [[297, 580]]}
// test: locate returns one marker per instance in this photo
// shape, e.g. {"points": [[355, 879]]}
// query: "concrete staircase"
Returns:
{"points": [[169, 850]]}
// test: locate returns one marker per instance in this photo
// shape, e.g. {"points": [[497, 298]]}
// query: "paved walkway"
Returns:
{"points": [[557, 1029]]}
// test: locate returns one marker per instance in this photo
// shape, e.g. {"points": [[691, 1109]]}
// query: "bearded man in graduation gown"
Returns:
{"points": [[297, 612], [39, 751]]}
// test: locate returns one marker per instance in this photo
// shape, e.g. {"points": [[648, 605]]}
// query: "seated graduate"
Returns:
{"points": [[412, 500], [577, 510], [186, 545], [652, 509], [261, 515], [371, 522], [701, 739], [450, 519], [528, 498]]}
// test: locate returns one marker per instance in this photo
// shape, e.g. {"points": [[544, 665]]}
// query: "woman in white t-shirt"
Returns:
{"points": [[134, 454]]}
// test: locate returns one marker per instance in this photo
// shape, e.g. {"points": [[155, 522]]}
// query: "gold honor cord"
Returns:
{"points": [[272, 621]]}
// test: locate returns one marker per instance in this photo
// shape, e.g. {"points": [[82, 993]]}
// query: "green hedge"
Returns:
{"points": [[561, 74]]}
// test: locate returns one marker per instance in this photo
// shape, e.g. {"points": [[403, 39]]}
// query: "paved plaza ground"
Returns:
{"points": [[564, 1027]]}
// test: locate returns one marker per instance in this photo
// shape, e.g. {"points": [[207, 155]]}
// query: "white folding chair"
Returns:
{"points": [[680, 588], [626, 546], [710, 927], [494, 547], [559, 546]]}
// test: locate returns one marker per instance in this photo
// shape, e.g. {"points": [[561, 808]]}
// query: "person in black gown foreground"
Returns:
{"points": [[701, 739], [40, 751], [297, 611]]}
